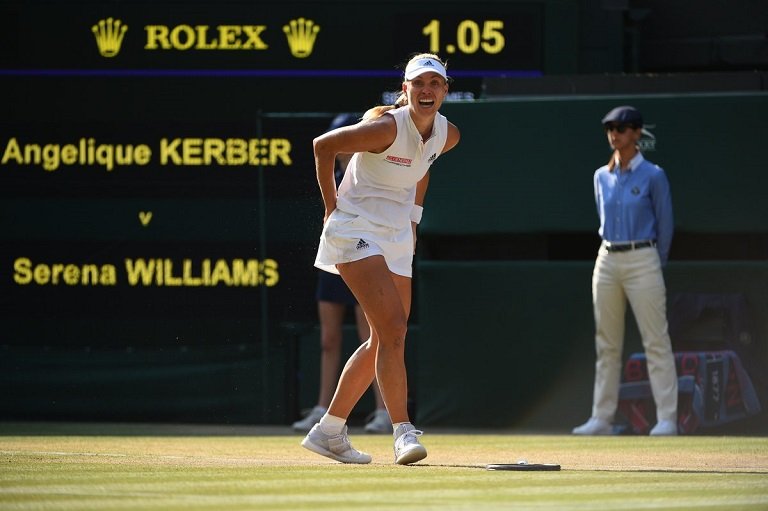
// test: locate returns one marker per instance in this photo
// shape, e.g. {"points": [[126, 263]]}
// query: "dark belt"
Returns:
{"points": [[623, 247]]}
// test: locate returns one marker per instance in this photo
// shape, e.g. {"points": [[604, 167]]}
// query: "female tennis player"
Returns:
{"points": [[369, 237]]}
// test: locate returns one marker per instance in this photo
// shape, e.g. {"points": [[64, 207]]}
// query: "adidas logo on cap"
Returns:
{"points": [[420, 66]]}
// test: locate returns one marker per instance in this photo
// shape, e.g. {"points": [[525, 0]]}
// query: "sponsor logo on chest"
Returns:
{"points": [[399, 160]]}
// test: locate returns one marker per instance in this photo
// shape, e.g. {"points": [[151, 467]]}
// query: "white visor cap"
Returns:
{"points": [[421, 66]]}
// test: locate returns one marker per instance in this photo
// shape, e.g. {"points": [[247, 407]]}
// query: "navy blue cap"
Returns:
{"points": [[345, 119], [625, 115]]}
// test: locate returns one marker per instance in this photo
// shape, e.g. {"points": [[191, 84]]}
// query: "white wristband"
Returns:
{"points": [[416, 213]]}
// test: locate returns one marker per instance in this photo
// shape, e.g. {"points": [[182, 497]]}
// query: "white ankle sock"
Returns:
{"points": [[331, 425], [397, 425]]}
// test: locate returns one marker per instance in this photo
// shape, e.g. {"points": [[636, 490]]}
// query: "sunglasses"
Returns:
{"points": [[621, 128]]}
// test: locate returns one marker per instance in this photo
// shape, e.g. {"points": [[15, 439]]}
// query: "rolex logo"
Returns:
{"points": [[301, 34], [109, 36]]}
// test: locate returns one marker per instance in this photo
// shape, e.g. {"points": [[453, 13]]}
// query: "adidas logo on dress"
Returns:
{"points": [[362, 244]]}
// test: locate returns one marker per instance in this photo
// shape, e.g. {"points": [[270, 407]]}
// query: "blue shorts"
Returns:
{"points": [[331, 288]]}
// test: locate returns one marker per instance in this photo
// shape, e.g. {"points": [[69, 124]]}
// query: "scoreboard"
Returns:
{"points": [[156, 174], [271, 39], [109, 229]]}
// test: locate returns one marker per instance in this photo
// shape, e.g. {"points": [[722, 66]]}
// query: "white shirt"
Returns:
{"points": [[382, 187]]}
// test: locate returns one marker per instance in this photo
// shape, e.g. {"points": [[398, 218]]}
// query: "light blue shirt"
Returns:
{"points": [[635, 205]]}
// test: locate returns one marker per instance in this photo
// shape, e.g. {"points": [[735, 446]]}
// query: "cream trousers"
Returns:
{"points": [[634, 275]]}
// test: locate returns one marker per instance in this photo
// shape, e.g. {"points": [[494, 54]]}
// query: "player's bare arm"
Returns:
{"points": [[454, 135], [373, 135]]}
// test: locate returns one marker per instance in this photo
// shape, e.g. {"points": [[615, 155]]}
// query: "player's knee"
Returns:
{"points": [[394, 335]]}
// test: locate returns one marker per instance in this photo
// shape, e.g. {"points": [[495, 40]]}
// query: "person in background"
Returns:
{"points": [[369, 237], [634, 204], [333, 300]]}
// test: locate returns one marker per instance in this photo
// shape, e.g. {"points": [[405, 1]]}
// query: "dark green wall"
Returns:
{"points": [[507, 340], [510, 344], [526, 165]]}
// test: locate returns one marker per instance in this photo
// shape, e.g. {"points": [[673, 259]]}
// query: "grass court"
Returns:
{"points": [[69, 466]]}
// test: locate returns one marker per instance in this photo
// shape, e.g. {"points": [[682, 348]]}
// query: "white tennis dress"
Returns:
{"points": [[375, 198]]}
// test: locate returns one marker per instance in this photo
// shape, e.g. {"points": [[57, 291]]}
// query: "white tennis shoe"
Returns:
{"points": [[594, 426], [314, 416], [664, 428], [336, 447], [379, 422], [407, 447]]}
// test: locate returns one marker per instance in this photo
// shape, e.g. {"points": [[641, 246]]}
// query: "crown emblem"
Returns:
{"points": [[301, 34], [109, 36], [647, 141]]}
